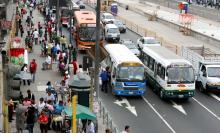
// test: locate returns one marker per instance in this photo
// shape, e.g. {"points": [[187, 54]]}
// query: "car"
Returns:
{"points": [[107, 18], [121, 26], [147, 41], [131, 45], [112, 33]]}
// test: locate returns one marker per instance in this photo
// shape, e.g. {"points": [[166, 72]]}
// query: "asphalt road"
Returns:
{"points": [[150, 114]]}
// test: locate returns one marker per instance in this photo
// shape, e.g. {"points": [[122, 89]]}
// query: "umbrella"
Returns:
{"points": [[82, 112]]}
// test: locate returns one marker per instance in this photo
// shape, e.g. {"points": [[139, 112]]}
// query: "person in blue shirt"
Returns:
{"points": [[58, 108], [105, 78]]}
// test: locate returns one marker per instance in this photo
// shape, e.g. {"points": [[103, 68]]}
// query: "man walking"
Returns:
{"points": [[33, 69], [36, 35]]}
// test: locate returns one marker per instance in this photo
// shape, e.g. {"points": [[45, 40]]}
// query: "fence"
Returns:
{"points": [[146, 32], [106, 118]]}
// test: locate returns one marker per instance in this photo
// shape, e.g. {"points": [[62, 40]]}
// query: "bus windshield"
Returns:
{"points": [[180, 75], [130, 73], [89, 34], [213, 71]]}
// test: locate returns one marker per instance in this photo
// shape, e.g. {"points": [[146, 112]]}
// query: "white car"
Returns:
{"points": [[147, 41], [107, 18]]}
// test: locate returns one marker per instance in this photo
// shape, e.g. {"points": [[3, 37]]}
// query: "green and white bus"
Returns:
{"points": [[169, 74]]}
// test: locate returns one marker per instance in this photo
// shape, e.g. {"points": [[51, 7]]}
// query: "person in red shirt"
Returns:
{"points": [[43, 120], [75, 67], [33, 69], [50, 31]]}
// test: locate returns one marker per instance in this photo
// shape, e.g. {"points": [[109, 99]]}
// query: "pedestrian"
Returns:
{"points": [[20, 118], [107, 130], [36, 36], [80, 69], [54, 53], [126, 130], [48, 113], [58, 108], [41, 105], [24, 70], [104, 77], [63, 42], [47, 63], [91, 127], [62, 90], [74, 54], [50, 97], [30, 96], [30, 114], [26, 102], [75, 66], [38, 26], [10, 110], [43, 121], [33, 69], [21, 30]]}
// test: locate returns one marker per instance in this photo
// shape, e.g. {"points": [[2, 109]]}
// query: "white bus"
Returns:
{"points": [[169, 74], [127, 71]]}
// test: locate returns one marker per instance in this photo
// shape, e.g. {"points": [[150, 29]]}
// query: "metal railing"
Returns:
{"points": [[142, 31], [106, 118]]}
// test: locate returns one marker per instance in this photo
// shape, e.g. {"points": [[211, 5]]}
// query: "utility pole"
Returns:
{"points": [[57, 16], [97, 49]]}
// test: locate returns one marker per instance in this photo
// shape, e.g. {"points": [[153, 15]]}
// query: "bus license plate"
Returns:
{"points": [[130, 93], [181, 96]]}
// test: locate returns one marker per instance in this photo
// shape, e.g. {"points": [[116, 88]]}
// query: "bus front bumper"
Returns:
{"points": [[128, 92], [179, 94]]}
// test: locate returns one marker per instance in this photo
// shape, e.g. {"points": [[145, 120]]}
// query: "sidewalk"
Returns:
{"points": [[42, 77], [136, 12]]}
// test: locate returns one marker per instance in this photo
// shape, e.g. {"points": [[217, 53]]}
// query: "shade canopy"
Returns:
{"points": [[82, 112], [80, 81]]}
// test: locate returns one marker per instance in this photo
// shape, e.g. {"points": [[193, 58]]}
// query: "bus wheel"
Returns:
{"points": [[161, 94]]}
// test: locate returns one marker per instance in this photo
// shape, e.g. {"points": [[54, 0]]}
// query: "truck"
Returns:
{"points": [[207, 67]]}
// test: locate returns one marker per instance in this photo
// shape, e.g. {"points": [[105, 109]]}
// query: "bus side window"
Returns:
{"points": [[159, 69], [162, 73], [151, 64], [114, 73]]}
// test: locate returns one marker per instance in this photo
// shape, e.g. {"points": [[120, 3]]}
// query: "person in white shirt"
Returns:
{"points": [[47, 62], [23, 71], [49, 97], [127, 129], [91, 127], [36, 35], [41, 105]]}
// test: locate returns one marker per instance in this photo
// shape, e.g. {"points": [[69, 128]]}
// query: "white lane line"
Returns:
{"points": [[216, 116], [161, 117], [214, 96]]}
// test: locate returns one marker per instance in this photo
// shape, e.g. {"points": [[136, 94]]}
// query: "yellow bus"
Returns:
{"points": [[85, 29]]}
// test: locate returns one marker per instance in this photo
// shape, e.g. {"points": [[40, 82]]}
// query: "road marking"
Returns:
{"points": [[214, 96], [128, 105], [178, 107], [216, 116], [161, 117]]}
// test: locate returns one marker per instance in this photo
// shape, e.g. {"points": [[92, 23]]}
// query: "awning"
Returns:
{"points": [[82, 112]]}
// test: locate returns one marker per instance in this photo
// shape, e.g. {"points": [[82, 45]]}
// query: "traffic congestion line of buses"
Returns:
{"points": [[170, 75]]}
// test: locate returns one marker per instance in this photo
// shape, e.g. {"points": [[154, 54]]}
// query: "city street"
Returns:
{"points": [[147, 113], [200, 114]]}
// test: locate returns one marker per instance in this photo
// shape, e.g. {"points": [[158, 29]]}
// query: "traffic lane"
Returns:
{"points": [[130, 35], [210, 100], [197, 119], [145, 121]]}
